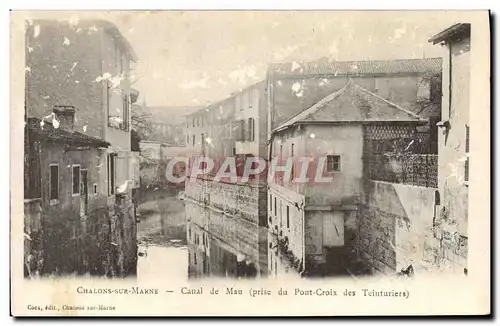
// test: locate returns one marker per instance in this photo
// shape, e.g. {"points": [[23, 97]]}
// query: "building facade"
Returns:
{"points": [[454, 148], [232, 128], [86, 67], [314, 222]]}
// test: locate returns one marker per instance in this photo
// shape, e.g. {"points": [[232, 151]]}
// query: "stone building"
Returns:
{"points": [[64, 205], [232, 128], [454, 146], [86, 66], [154, 159], [314, 224], [392, 231], [235, 126]]}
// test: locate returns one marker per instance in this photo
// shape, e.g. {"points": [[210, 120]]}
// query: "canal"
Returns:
{"points": [[180, 239]]}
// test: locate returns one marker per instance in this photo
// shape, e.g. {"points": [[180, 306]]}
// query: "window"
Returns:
{"points": [[193, 121], [193, 140], [270, 202], [54, 182], [94, 188], [32, 167], [126, 108], [187, 139], [333, 163], [467, 131], [287, 216], [242, 130], [275, 206], [111, 173], [281, 213], [76, 180], [251, 129]]}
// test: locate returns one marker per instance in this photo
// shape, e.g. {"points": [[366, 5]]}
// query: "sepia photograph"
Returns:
{"points": [[229, 147]]}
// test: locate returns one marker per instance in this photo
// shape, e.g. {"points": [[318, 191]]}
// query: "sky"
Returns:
{"points": [[198, 57]]}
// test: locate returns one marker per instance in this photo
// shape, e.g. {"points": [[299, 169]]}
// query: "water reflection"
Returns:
{"points": [[181, 239], [223, 246], [161, 234]]}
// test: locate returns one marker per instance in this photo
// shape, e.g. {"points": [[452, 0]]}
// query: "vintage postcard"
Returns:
{"points": [[250, 163]]}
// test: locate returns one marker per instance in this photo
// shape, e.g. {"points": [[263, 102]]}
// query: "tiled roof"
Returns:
{"points": [[352, 103], [325, 66], [58, 134], [450, 32]]}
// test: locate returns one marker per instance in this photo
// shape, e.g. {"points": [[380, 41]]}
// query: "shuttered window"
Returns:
{"points": [[76, 179], [54, 181]]}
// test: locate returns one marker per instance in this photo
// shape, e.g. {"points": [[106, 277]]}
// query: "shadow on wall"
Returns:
{"points": [[395, 226]]}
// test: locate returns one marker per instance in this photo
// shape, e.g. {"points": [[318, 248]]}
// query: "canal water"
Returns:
{"points": [[183, 240]]}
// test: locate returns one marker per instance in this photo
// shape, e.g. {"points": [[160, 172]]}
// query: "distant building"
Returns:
{"points": [[233, 127], [154, 159], [454, 139], [86, 67], [165, 124]]}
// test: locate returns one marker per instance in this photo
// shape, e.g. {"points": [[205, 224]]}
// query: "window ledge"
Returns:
{"points": [[54, 202], [75, 195], [31, 200]]}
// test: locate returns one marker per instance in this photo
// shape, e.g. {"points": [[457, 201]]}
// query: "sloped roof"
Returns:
{"points": [[456, 30], [353, 104], [324, 66], [57, 134]]}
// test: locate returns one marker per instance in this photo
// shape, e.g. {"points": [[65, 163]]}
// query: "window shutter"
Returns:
{"points": [[467, 131], [242, 130]]}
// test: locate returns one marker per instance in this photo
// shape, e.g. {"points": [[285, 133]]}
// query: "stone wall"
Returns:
{"points": [[237, 199], [397, 228]]}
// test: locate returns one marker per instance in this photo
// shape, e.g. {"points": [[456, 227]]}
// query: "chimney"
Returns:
{"points": [[65, 114]]}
